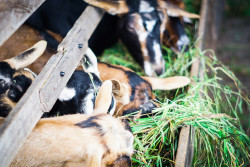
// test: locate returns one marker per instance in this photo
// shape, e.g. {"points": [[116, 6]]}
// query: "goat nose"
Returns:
{"points": [[159, 71], [183, 48], [159, 68]]}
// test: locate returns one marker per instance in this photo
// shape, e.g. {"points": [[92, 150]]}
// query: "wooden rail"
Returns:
{"points": [[43, 92], [185, 149]]}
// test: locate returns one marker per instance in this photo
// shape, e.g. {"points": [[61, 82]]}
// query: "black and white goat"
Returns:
{"points": [[14, 80], [99, 140], [79, 94]]}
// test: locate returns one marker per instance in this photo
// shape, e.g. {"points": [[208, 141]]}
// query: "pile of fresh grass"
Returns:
{"points": [[209, 106]]}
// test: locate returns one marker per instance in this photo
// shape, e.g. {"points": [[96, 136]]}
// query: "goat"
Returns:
{"points": [[22, 39], [175, 36], [80, 92], [140, 26], [14, 80], [79, 140], [134, 93]]}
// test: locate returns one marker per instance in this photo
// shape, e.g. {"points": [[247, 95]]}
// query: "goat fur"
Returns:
{"points": [[14, 80], [175, 36], [133, 92], [79, 140], [82, 140]]}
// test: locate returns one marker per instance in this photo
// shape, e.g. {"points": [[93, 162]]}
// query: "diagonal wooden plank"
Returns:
{"points": [[44, 91]]}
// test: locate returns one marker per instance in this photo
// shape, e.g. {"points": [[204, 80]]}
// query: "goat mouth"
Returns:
{"points": [[154, 69]]}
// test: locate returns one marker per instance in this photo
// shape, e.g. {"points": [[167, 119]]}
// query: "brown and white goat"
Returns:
{"points": [[133, 92], [14, 80], [175, 36], [98, 140]]}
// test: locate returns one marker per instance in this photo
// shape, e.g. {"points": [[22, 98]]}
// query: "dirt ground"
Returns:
{"points": [[233, 49]]}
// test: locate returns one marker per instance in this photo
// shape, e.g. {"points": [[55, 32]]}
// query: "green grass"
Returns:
{"points": [[209, 106]]}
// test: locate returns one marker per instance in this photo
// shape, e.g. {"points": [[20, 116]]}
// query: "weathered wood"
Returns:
{"points": [[185, 150], [214, 20], [183, 143], [13, 14], [42, 94]]}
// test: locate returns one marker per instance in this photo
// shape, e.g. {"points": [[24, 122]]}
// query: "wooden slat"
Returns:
{"points": [[13, 14], [185, 150], [42, 94]]}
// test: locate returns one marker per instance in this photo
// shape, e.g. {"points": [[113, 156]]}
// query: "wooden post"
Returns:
{"points": [[215, 10], [42, 94], [185, 149]]}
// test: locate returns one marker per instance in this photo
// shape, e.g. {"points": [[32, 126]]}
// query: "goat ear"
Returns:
{"points": [[175, 11], [116, 87], [167, 83], [113, 7], [103, 98], [27, 57], [89, 62]]}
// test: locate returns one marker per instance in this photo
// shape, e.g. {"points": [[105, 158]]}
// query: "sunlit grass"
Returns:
{"points": [[209, 106]]}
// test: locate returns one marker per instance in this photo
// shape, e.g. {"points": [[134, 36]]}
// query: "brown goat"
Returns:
{"points": [[22, 39], [175, 36], [132, 92], [79, 140]]}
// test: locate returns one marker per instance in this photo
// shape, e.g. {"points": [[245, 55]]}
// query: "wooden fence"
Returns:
{"points": [[42, 94]]}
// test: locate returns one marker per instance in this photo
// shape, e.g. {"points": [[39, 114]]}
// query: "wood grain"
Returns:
{"points": [[13, 14]]}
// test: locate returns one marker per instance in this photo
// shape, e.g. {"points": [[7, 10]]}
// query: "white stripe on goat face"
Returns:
{"points": [[140, 30], [67, 94], [150, 25], [158, 53], [87, 104], [145, 7], [148, 68]]}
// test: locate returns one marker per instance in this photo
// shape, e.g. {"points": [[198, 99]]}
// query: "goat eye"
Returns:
{"points": [[130, 28], [147, 16], [161, 15]]}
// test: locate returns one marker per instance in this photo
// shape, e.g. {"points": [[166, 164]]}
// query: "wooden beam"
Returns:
{"points": [[13, 14], [185, 149], [42, 94]]}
